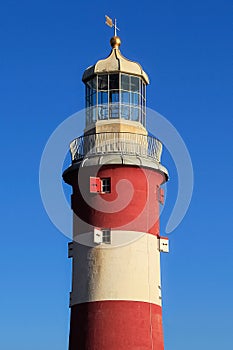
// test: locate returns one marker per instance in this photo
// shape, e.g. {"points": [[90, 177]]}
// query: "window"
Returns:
{"points": [[102, 236], [98, 185], [106, 238], [106, 185]]}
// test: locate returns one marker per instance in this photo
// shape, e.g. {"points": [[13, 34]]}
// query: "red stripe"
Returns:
{"points": [[116, 325], [141, 213]]}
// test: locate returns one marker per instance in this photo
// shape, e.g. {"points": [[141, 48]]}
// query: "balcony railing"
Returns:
{"points": [[116, 142]]}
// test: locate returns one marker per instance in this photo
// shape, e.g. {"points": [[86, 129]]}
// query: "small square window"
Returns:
{"points": [[106, 236], [106, 185]]}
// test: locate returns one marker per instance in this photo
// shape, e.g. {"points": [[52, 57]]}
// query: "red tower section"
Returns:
{"points": [[116, 176]]}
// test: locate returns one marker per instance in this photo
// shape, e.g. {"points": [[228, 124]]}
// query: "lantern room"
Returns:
{"points": [[115, 90]]}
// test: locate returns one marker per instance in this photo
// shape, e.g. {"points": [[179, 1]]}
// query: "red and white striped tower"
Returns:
{"points": [[116, 176]]}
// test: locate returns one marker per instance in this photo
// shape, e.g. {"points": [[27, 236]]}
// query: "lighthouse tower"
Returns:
{"points": [[116, 177]]}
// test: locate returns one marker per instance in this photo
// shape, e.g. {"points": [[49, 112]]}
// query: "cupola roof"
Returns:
{"points": [[115, 63]]}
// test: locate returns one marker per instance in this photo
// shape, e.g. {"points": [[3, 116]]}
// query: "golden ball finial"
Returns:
{"points": [[115, 42]]}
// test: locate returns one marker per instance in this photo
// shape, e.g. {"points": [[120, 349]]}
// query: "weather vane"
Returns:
{"points": [[110, 23]]}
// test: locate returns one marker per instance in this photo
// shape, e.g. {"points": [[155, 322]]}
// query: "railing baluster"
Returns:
{"points": [[116, 142]]}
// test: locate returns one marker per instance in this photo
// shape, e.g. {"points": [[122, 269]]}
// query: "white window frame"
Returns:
{"points": [[108, 185], [106, 236]]}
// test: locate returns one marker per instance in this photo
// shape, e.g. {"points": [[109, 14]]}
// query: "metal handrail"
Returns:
{"points": [[116, 142]]}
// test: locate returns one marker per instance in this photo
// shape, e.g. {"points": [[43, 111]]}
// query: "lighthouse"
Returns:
{"points": [[116, 176]]}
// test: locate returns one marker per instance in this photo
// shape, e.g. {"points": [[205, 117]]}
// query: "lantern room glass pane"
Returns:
{"points": [[125, 97], [143, 90], [134, 98], [144, 105], [92, 83], [114, 96], [87, 116], [135, 114], [134, 86], [125, 112], [143, 119], [103, 112], [114, 111], [87, 91], [87, 101], [114, 82], [125, 82], [102, 97], [93, 114], [103, 82], [91, 100]]}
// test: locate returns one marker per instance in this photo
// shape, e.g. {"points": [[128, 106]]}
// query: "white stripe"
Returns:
{"points": [[129, 272]]}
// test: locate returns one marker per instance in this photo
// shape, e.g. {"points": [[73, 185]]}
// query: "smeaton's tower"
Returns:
{"points": [[116, 176]]}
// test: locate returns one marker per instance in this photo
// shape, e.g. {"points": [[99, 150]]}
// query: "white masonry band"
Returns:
{"points": [[129, 272]]}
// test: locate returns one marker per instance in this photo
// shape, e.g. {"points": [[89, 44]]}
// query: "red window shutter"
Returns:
{"points": [[161, 195], [95, 184]]}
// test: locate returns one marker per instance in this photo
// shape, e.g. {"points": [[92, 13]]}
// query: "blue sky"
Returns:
{"points": [[185, 47]]}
